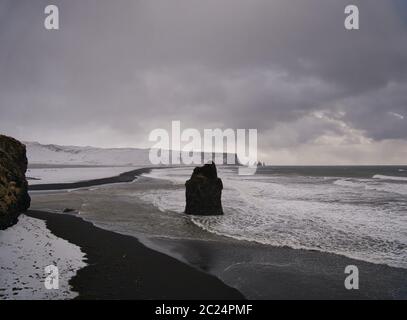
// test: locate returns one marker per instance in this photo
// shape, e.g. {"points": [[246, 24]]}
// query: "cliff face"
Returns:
{"points": [[14, 197]]}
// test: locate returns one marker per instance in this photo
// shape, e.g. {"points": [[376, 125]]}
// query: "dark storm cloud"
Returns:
{"points": [[118, 69]]}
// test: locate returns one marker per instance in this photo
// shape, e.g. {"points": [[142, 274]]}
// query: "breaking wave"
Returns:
{"points": [[368, 184], [382, 177], [345, 217]]}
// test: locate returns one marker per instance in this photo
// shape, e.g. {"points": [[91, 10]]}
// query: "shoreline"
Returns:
{"points": [[124, 177], [120, 267], [280, 272], [263, 272]]}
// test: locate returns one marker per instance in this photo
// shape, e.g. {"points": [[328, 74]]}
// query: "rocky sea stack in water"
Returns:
{"points": [[204, 192], [14, 197]]}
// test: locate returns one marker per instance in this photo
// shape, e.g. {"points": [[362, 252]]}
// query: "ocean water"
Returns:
{"points": [[358, 212]]}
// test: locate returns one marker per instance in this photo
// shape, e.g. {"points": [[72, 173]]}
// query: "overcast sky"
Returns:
{"points": [[317, 93]]}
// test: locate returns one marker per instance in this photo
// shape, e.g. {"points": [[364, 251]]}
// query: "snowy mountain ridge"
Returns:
{"points": [[38, 153], [53, 154]]}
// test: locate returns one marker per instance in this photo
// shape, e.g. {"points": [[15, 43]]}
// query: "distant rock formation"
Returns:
{"points": [[14, 197], [204, 192], [261, 164]]}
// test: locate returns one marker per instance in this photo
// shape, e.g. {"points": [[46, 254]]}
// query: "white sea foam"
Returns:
{"points": [[175, 175], [369, 184], [282, 211], [379, 176]]}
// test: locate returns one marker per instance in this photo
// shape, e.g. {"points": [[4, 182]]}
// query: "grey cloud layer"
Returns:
{"points": [[118, 69]]}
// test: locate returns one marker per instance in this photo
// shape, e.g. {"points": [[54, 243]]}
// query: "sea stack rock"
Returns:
{"points": [[14, 198], [204, 192]]}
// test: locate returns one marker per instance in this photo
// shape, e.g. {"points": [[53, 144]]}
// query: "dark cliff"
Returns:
{"points": [[14, 197]]}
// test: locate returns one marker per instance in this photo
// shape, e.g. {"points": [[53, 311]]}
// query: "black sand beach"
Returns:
{"points": [[280, 273], [120, 267], [124, 177]]}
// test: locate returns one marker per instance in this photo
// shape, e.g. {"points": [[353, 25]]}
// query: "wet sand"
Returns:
{"points": [[124, 177], [257, 271], [266, 272], [120, 267]]}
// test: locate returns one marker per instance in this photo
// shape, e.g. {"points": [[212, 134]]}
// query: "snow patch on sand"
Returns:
{"points": [[25, 250]]}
